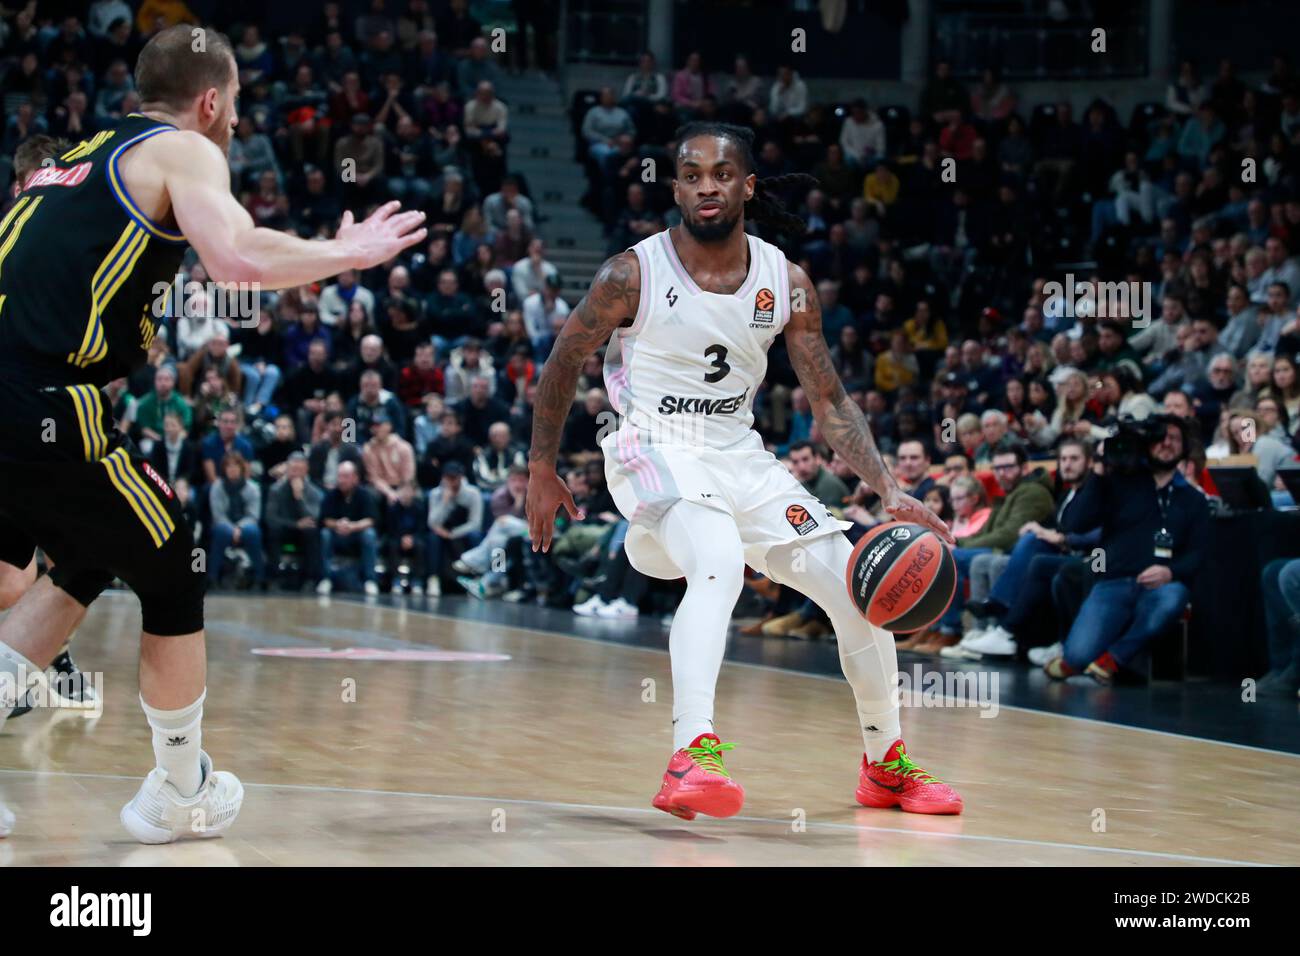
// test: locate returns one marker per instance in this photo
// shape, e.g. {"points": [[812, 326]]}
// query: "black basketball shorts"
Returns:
{"points": [[97, 520]]}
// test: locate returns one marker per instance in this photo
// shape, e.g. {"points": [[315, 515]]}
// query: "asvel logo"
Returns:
{"points": [[134, 910]]}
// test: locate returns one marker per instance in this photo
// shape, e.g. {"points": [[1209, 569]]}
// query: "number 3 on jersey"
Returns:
{"points": [[720, 366]]}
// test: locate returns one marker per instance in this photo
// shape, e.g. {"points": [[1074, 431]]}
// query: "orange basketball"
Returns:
{"points": [[765, 300], [901, 577]]}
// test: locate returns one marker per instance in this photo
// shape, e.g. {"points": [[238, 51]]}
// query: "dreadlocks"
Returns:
{"points": [[766, 208]]}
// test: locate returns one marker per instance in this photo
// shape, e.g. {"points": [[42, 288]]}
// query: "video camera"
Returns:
{"points": [[1126, 450]]}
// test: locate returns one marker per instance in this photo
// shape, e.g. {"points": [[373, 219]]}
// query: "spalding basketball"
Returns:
{"points": [[902, 577]]}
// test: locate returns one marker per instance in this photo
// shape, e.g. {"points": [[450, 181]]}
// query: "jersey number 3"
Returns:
{"points": [[720, 366]]}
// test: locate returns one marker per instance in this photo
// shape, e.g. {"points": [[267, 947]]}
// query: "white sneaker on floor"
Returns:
{"points": [[417, 589], [433, 586], [325, 588], [618, 608], [1038, 656], [962, 651], [6, 821], [371, 589], [395, 589], [997, 641], [590, 607], [159, 814]]}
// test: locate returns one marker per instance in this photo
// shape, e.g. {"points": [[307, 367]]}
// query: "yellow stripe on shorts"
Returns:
{"points": [[139, 496]]}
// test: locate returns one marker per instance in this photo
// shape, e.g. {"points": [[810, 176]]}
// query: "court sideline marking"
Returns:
{"points": [[826, 825]]}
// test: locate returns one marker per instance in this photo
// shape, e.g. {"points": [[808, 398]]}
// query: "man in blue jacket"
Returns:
{"points": [[1154, 535]]}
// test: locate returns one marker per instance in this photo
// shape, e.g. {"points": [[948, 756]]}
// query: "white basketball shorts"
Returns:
{"points": [[769, 505]]}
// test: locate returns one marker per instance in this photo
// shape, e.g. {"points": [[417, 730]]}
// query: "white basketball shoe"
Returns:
{"points": [[159, 814], [590, 607], [618, 608], [1038, 656], [6, 821]]}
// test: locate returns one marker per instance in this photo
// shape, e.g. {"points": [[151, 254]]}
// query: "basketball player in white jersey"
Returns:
{"points": [[689, 314]]}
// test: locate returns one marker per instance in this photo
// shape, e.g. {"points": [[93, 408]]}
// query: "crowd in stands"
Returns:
{"points": [[372, 431], [963, 249]]}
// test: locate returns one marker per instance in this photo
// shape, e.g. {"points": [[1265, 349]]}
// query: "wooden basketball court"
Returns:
{"points": [[527, 747]]}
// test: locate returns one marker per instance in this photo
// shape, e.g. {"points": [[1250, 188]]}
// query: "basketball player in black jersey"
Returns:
{"points": [[66, 683], [81, 252]]}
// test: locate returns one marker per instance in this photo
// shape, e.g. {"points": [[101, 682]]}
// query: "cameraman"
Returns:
{"points": [[1154, 536]]}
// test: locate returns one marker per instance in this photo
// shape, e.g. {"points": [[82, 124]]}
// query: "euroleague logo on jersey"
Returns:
{"points": [[799, 518], [764, 309]]}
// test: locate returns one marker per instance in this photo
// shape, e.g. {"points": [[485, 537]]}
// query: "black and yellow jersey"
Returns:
{"points": [[80, 266], [81, 269]]}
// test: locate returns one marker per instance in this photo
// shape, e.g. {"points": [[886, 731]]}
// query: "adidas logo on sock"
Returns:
{"points": [[177, 741]]}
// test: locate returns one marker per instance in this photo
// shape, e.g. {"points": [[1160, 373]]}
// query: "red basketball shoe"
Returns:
{"points": [[896, 781], [697, 782]]}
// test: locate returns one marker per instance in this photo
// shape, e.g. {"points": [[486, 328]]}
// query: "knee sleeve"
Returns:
{"points": [[173, 605], [173, 613]]}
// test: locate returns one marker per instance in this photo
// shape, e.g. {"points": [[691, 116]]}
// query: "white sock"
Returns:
{"points": [[17, 674], [177, 739], [705, 544], [867, 653]]}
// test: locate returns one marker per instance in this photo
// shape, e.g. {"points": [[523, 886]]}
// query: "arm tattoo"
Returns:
{"points": [[842, 422], [611, 301]]}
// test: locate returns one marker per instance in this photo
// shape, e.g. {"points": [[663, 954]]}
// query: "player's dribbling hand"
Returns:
{"points": [[381, 235], [904, 507], [546, 493]]}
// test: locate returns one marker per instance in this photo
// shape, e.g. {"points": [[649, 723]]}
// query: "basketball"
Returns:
{"points": [[901, 577]]}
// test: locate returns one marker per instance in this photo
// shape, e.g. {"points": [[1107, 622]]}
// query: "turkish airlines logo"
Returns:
{"points": [[54, 176]]}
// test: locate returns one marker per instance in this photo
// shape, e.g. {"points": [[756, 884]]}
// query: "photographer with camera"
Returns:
{"points": [[1154, 535]]}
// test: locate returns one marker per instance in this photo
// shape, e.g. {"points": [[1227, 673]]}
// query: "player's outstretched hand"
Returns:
{"points": [[906, 508], [547, 492], [382, 234]]}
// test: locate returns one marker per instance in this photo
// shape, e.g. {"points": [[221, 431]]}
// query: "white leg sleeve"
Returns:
{"points": [[817, 569], [705, 544]]}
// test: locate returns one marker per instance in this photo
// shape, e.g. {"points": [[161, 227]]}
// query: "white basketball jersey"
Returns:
{"points": [[685, 372]]}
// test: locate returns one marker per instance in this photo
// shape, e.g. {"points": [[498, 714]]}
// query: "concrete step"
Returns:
{"points": [[543, 152], [568, 213], [548, 126]]}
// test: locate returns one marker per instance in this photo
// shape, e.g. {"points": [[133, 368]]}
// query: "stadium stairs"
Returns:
{"points": [[541, 150]]}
